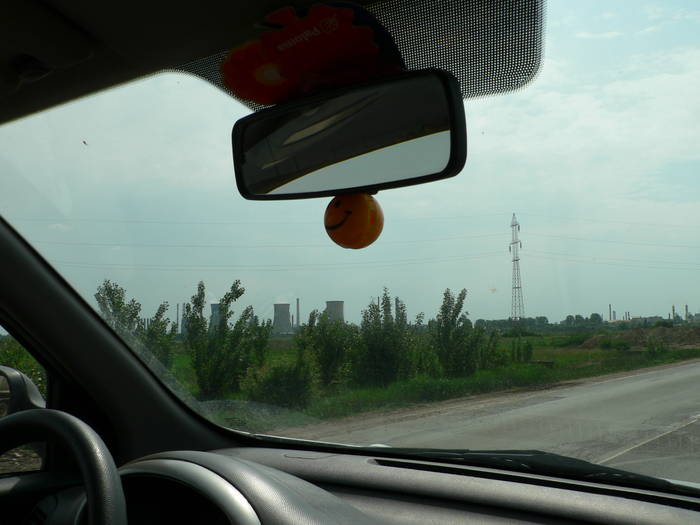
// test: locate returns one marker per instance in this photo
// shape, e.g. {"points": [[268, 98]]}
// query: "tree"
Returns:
{"points": [[382, 342], [596, 318], [156, 336], [330, 342], [120, 314], [222, 353], [420, 357], [451, 331], [159, 336]]}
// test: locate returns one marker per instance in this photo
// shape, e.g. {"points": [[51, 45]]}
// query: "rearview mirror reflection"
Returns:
{"points": [[399, 131]]}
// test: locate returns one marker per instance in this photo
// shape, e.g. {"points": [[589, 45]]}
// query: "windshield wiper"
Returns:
{"points": [[529, 461], [543, 463]]}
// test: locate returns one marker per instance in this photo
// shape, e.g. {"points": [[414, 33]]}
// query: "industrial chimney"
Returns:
{"points": [[281, 323], [215, 315], [334, 309], [183, 324]]}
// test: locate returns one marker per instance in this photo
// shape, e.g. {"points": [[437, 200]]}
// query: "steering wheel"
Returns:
{"points": [[105, 497]]}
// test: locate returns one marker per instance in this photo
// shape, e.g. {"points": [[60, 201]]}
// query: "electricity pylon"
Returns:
{"points": [[517, 309]]}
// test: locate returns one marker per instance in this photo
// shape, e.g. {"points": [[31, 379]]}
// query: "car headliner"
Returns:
{"points": [[52, 51]]}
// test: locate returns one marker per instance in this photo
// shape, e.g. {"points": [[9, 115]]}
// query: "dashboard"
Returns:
{"points": [[286, 486]]}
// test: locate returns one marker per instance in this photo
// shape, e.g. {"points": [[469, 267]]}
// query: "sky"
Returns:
{"points": [[598, 157]]}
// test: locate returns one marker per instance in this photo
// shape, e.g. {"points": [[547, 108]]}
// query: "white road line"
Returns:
{"points": [[693, 419]]}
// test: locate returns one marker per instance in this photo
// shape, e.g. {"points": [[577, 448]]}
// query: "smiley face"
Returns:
{"points": [[354, 221]]}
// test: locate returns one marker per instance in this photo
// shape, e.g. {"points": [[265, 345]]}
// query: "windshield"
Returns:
{"points": [[545, 298]]}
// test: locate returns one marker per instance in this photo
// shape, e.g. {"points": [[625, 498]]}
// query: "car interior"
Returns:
{"points": [[117, 444]]}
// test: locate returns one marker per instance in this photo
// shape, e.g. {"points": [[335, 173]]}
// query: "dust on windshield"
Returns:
{"points": [[545, 298]]}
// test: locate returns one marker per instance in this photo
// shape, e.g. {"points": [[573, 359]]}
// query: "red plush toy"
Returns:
{"points": [[331, 45]]}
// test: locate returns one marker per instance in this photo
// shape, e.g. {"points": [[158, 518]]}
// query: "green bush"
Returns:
{"points": [[571, 340], [14, 355], [328, 342], [382, 343], [521, 352], [621, 345], [285, 385], [606, 343], [222, 352], [656, 347]]}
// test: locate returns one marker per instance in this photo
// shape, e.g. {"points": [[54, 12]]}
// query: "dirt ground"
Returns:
{"points": [[19, 460], [676, 337]]}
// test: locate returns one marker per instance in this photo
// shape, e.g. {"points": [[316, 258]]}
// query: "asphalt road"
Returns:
{"points": [[644, 421]]}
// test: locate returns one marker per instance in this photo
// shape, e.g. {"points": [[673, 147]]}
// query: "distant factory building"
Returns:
{"points": [[215, 316], [334, 310], [281, 323]]}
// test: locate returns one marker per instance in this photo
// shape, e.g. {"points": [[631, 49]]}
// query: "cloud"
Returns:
{"points": [[59, 227], [598, 36], [670, 14], [649, 30]]}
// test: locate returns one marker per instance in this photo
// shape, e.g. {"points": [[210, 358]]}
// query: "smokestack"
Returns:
{"points": [[614, 315], [280, 323], [610, 312], [177, 317], [673, 312], [334, 309], [183, 326], [215, 315], [298, 315], [686, 312]]}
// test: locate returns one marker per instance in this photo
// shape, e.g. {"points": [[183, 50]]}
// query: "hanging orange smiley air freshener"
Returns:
{"points": [[354, 221]]}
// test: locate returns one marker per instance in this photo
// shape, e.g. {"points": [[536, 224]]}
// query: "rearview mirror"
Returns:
{"points": [[397, 131]]}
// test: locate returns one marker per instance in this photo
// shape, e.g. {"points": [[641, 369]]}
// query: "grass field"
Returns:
{"points": [[558, 358], [569, 364]]}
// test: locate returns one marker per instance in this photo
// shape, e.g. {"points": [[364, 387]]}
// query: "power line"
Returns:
{"points": [[276, 267], [622, 265], [608, 221], [596, 257], [239, 246], [612, 241], [233, 222], [398, 219]]}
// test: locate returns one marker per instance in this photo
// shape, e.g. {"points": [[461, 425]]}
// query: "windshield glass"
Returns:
{"points": [[545, 298]]}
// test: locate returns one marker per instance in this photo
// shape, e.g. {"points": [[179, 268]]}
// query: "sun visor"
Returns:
{"points": [[35, 41], [489, 46]]}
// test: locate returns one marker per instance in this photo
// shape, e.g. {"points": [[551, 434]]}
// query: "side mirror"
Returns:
{"points": [[18, 392], [396, 131]]}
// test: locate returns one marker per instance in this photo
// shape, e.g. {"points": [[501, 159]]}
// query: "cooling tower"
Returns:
{"points": [[334, 309], [281, 324]]}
